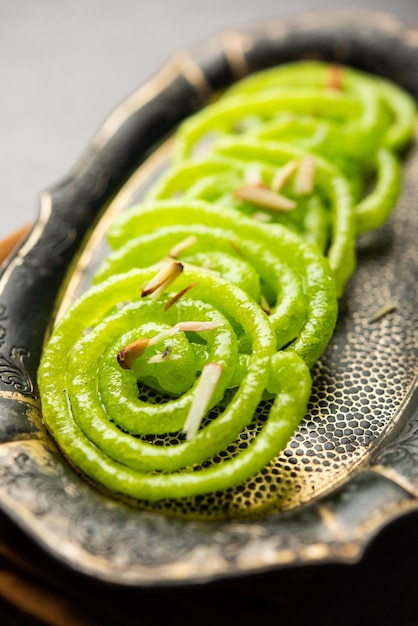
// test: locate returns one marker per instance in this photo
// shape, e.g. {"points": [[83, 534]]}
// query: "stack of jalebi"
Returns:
{"points": [[185, 369]]}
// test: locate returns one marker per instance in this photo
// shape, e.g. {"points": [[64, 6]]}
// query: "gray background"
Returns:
{"points": [[64, 65]]}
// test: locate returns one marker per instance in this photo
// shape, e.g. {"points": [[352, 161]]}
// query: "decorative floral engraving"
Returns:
{"points": [[3, 318], [46, 488], [402, 454], [13, 371], [22, 477], [123, 539], [122, 535], [103, 528]]}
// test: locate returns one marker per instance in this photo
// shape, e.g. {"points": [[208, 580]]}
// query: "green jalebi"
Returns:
{"points": [[221, 290]]}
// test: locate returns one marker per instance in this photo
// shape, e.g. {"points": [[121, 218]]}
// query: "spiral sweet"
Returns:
{"points": [[102, 440], [185, 368], [316, 135], [332, 229], [297, 277]]}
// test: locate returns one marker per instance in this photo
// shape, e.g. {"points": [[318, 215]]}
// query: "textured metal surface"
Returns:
{"points": [[351, 467]]}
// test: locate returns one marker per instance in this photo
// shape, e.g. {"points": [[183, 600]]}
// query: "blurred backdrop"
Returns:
{"points": [[64, 66]]}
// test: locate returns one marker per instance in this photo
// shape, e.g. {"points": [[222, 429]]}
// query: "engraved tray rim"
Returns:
{"points": [[68, 212]]}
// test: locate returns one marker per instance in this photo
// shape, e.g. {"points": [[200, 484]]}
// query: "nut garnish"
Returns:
{"points": [[181, 246], [167, 274], [236, 248], [334, 77], [305, 176], [183, 327], [262, 196], [265, 305], [261, 216], [384, 310], [204, 391], [253, 174], [166, 355], [205, 267], [133, 351], [178, 295], [128, 355], [195, 327], [284, 174]]}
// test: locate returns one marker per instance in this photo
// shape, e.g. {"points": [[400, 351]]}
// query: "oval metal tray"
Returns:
{"points": [[353, 465]]}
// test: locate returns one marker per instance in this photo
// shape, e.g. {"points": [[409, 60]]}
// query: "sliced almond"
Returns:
{"points": [[237, 249], [182, 327], [167, 274], [305, 176], [334, 77], [162, 357], [196, 327], [284, 174], [253, 174], [204, 391], [178, 295], [262, 196], [128, 355], [261, 216], [384, 310], [205, 267], [265, 305], [181, 246]]}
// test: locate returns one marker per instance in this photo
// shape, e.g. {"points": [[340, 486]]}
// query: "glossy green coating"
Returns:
{"points": [[214, 179], [290, 248], [348, 121], [120, 459], [399, 107], [268, 290], [245, 262]]}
